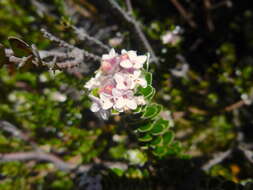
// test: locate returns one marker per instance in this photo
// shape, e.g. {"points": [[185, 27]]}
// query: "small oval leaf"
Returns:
{"points": [[145, 128], [145, 138], [19, 47], [151, 111]]}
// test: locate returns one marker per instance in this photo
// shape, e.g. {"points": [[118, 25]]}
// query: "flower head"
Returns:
{"points": [[116, 82]]}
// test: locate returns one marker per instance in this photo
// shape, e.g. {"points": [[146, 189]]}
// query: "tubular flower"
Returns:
{"points": [[115, 85]]}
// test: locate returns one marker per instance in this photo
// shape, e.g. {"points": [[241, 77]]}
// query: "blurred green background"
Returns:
{"points": [[204, 79]]}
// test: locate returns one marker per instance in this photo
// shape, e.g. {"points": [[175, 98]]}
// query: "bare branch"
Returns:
{"points": [[137, 26], [129, 6], [209, 21], [247, 153], [217, 158], [69, 46], [187, 16], [57, 162], [8, 127], [83, 35], [39, 155]]}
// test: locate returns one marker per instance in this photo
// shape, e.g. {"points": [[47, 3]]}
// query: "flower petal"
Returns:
{"points": [[123, 51], [138, 65], [142, 82], [132, 55], [106, 104], [126, 64], [140, 59], [95, 107], [120, 103], [131, 104]]}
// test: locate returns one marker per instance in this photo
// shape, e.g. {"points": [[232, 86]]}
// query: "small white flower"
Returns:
{"points": [[106, 101], [133, 61], [140, 100], [95, 107], [138, 79], [123, 81], [111, 55], [124, 100], [93, 82]]}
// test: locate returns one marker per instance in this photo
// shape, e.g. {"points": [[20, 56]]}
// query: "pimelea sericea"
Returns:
{"points": [[114, 88]]}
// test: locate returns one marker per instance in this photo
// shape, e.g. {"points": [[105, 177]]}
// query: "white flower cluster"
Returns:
{"points": [[114, 86]]}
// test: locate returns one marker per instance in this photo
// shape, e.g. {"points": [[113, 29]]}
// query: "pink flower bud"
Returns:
{"points": [[106, 66], [107, 89]]}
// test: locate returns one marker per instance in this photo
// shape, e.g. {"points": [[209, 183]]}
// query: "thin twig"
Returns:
{"points": [[247, 153], [40, 155], [137, 26], [209, 21], [234, 106], [187, 16], [10, 128], [129, 6], [217, 158], [37, 156], [83, 35], [57, 162], [69, 46]]}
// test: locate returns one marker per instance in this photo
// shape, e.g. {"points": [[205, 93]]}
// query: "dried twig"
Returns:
{"points": [[217, 158], [8, 127], [62, 43], [40, 155], [57, 162], [187, 16], [209, 21], [129, 6], [137, 26], [234, 106], [83, 35]]}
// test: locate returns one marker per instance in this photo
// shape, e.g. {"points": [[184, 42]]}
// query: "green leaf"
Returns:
{"points": [[19, 47], [168, 137], [157, 141], [174, 149], [160, 151], [137, 110], [151, 111], [95, 92], [145, 128], [148, 77], [160, 126], [145, 138], [147, 92]]}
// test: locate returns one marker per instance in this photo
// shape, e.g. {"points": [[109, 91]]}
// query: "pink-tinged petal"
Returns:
{"points": [[129, 93], [140, 59], [95, 107], [116, 92], [132, 55], [131, 104], [126, 64], [118, 77]]}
